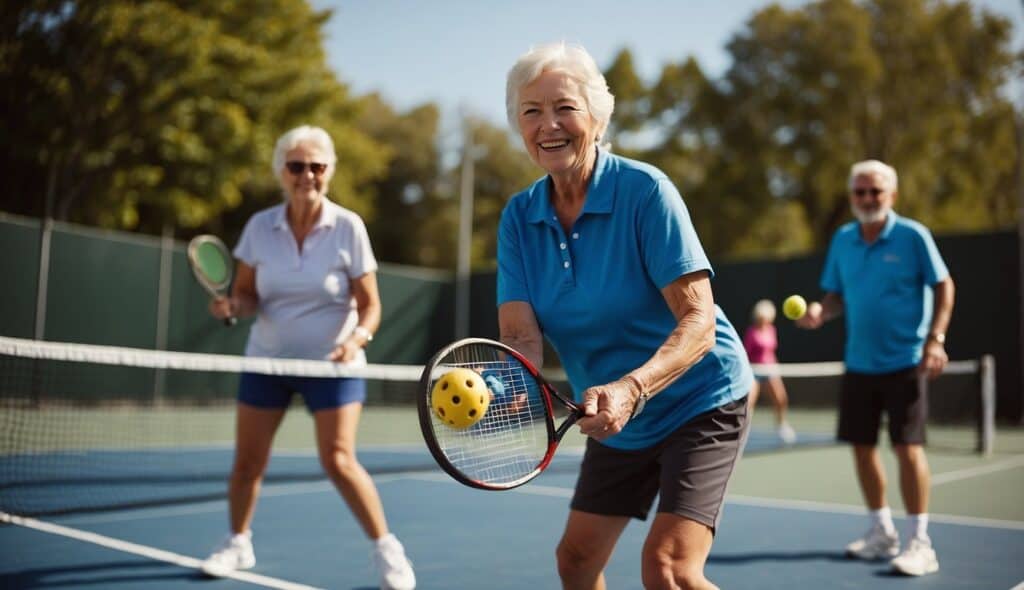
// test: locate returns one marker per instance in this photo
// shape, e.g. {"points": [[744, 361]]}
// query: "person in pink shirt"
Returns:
{"points": [[761, 342]]}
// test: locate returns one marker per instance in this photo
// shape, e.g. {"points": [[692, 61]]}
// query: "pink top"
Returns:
{"points": [[761, 344]]}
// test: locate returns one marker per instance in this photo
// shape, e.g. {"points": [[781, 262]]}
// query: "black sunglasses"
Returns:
{"points": [[860, 192], [298, 168]]}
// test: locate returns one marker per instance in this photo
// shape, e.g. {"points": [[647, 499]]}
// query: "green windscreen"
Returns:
{"points": [[212, 263]]}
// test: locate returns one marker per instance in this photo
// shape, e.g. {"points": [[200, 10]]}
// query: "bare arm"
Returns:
{"points": [[607, 408], [368, 307], [519, 329], [934, 358]]}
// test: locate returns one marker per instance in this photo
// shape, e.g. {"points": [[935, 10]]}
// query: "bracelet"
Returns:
{"points": [[363, 333], [641, 400]]}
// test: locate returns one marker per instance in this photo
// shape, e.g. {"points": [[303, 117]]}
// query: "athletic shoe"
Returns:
{"points": [[786, 433], [917, 559], [394, 567], [235, 553], [876, 544]]}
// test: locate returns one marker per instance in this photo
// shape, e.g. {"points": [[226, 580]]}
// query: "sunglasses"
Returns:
{"points": [[874, 192], [298, 168]]}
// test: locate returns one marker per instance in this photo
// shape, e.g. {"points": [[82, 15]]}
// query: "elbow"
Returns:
{"points": [[706, 340]]}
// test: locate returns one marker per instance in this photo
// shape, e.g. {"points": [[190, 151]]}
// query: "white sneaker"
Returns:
{"points": [[395, 568], [917, 559], [786, 433], [235, 553], [876, 544]]}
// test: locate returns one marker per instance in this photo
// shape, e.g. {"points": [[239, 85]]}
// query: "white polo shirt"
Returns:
{"points": [[306, 306]]}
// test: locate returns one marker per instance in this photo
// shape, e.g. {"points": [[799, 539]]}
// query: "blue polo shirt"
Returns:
{"points": [[596, 291], [887, 293]]}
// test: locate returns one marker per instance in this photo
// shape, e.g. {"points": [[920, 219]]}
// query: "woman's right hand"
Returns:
{"points": [[222, 307]]}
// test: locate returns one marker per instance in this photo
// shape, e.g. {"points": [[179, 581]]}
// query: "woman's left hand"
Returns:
{"points": [[607, 408], [345, 352]]}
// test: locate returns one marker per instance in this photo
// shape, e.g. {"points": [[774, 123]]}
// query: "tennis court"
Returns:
{"points": [[125, 494]]}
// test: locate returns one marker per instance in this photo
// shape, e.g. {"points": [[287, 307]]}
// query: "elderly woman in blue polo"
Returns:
{"points": [[600, 257]]}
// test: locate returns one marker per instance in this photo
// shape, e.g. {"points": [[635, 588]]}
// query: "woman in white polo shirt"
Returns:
{"points": [[306, 270]]}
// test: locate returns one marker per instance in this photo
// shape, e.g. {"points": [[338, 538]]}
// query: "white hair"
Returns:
{"points": [[887, 172], [763, 310], [575, 62], [304, 135]]}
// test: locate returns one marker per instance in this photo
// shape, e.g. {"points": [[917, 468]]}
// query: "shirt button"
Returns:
{"points": [[575, 235], [566, 264], [562, 246]]}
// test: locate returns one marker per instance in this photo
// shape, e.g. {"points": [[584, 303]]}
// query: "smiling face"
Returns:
{"points": [[871, 198], [556, 125], [306, 185]]}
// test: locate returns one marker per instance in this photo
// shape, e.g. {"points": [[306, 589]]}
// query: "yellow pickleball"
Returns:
{"points": [[794, 307], [460, 398]]}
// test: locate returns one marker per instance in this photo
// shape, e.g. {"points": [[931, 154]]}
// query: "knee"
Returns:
{"points": [[573, 561], [339, 464], [248, 469], [660, 571]]}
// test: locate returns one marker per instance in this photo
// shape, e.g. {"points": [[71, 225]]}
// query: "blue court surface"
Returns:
{"points": [[459, 537]]}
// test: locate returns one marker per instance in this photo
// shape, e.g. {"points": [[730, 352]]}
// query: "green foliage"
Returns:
{"points": [[917, 84], [136, 114]]}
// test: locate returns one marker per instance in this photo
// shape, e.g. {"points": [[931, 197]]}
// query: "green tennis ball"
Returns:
{"points": [[794, 307]]}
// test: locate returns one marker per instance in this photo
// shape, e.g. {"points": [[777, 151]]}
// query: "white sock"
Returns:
{"points": [[917, 526], [246, 536], [384, 540], [883, 518]]}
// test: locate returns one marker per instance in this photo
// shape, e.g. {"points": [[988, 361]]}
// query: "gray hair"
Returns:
{"points": [[575, 62], [763, 309], [308, 135], [887, 172]]}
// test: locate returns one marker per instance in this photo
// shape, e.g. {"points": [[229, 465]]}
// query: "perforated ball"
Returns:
{"points": [[460, 398]]}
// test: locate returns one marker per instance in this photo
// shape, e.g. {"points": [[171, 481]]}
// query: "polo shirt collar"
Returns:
{"points": [[600, 193], [890, 222], [328, 215]]}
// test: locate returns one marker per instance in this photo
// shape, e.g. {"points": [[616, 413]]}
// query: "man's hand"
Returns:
{"points": [[934, 359], [813, 319]]}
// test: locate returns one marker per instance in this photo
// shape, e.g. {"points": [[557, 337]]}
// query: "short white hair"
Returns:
{"points": [[304, 135], [887, 172], [763, 310], [573, 61]]}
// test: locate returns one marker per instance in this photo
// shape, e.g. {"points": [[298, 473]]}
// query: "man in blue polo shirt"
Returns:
{"points": [[885, 274]]}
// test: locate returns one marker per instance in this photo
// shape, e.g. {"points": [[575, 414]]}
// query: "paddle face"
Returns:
{"points": [[488, 416], [212, 266]]}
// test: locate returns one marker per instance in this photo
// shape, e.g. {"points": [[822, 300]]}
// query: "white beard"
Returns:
{"points": [[875, 216]]}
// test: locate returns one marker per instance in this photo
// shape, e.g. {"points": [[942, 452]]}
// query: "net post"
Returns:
{"points": [[987, 413]]}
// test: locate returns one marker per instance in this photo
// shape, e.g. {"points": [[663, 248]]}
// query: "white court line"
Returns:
{"points": [[974, 471], [144, 551]]}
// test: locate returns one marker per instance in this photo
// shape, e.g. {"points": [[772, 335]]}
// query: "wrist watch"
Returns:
{"points": [[641, 399], [640, 403], [364, 333], [938, 337]]}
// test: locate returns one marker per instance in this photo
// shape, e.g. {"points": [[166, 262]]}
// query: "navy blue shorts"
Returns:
{"points": [[319, 393]]}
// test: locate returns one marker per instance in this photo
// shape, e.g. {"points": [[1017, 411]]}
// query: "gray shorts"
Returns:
{"points": [[690, 469]]}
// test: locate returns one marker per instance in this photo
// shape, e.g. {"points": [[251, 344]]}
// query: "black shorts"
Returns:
{"points": [[902, 395], [690, 468]]}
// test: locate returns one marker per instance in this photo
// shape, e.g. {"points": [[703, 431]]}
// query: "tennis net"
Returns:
{"points": [[88, 428], [961, 402]]}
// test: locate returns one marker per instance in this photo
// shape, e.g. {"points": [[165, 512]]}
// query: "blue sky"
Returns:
{"points": [[457, 52]]}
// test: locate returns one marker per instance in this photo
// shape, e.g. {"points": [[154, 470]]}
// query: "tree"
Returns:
{"points": [[918, 84], [133, 114]]}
